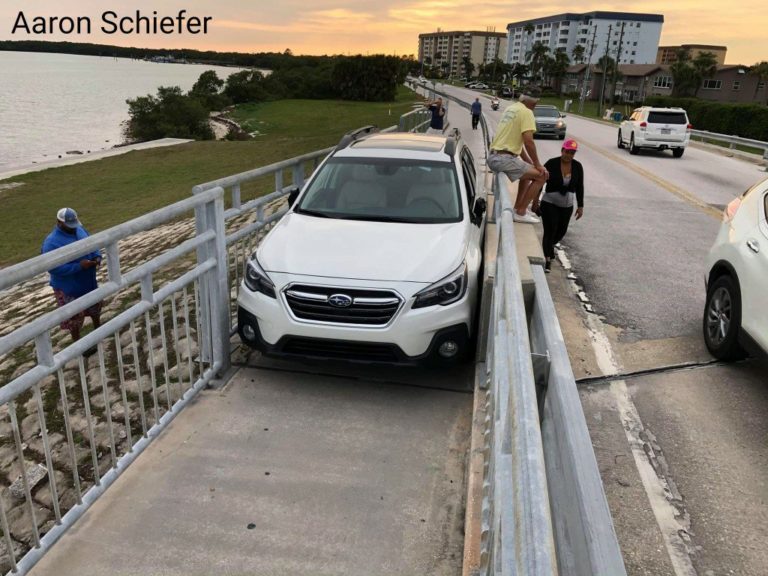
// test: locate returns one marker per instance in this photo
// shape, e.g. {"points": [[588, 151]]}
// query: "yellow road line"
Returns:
{"points": [[668, 186]]}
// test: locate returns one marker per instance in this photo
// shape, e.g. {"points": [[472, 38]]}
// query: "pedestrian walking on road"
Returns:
{"points": [[565, 186], [438, 114], [76, 278], [513, 152], [477, 109]]}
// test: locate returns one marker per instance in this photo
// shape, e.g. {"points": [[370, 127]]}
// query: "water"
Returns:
{"points": [[54, 103]]}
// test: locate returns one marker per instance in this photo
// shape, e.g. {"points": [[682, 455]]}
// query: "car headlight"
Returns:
{"points": [[256, 279], [560, 124], [443, 292]]}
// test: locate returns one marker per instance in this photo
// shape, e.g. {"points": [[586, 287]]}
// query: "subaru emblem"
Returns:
{"points": [[340, 300]]}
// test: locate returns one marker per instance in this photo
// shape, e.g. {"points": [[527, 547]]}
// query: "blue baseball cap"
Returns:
{"points": [[68, 217]]}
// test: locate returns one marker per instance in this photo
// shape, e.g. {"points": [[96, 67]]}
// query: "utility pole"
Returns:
{"points": [[603, 67], [583, 95], [616, 67]]}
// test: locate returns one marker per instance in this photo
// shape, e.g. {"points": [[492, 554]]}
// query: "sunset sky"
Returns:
{"points": [[389, 26]]}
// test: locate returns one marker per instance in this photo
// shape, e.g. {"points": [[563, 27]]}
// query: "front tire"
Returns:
{"points": [[562, 136], [632, 148], [620, 142], [677, 152], [722, 319]]}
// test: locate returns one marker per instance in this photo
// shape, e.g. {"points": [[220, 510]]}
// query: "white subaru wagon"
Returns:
{"points": [[736, 313], [377, 260]]}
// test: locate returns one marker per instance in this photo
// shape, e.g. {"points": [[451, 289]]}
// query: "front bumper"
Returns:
{"points": [[550, 130], [369, 352]]}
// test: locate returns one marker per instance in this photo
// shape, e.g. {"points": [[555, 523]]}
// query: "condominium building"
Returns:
{"points": [[629, 37], [447, 50], [668, 54]]}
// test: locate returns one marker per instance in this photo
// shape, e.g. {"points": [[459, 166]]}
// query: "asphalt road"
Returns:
{"points": [[683, 453]]}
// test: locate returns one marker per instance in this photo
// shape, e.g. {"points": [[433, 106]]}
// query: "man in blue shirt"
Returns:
{"points": [[477, 109], [76, 278]]}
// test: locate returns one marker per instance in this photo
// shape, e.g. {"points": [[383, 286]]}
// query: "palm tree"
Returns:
{"points": [[578, 54], [536, 57], [683, 74], [705, 66], [559, 66], [761, 71], [469, 67]]}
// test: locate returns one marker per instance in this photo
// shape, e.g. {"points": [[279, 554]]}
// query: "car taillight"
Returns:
{"points": [[689, 127], [643, 125], [730, 211]]}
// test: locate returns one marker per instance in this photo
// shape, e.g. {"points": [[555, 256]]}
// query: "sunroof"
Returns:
{"points": [[399, 143]]}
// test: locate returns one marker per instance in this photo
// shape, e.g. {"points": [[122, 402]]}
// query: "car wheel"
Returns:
{"points": [[562, 136], [722, 319], [632, 148], [677, 152], [619, 141]]}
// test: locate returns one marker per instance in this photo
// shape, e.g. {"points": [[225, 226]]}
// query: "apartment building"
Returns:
{"points": [[629, 37], [437, 48], [668, 54]]}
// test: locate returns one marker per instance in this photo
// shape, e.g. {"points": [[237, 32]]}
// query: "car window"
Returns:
{"points": [[667, 118], [765, 207], [385, 190], [468, 171], [546, 112]]}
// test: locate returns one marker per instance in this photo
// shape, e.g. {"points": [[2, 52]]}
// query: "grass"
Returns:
{"points": [[110, 191]]}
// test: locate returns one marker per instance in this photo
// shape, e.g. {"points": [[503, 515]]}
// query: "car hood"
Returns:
{"points": [[387, 251]]}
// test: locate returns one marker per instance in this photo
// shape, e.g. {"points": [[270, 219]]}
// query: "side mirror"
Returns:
{"points": [[478, 210], [562, 114], [293, 193]]}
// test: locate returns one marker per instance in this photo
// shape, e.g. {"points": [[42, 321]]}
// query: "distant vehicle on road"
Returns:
{"points": [[477, 86], [656, 128], [507, 92], [495, 104], [736, 313], [549, 121], [378, 258]]}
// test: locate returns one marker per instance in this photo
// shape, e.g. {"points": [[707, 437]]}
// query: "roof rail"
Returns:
{"points": [[354, 135], [453, 138]]}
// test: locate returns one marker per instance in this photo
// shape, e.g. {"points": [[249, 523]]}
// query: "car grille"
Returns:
{"points": [[337, 349], [368, 307]]}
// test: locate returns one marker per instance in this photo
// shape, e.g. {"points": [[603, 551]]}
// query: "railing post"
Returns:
{"points": [[219, 285], [203, 312]]}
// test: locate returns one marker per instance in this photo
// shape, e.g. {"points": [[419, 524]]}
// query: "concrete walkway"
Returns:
{"points": [[78, 158]]}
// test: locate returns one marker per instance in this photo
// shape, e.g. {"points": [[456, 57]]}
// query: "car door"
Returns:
{"points": [[753, 277], [626, 125]]}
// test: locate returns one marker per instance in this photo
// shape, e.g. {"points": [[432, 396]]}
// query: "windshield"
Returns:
{"points": [[384, 190], [546, 112]]}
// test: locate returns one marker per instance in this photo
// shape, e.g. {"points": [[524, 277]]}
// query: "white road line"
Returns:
{"points": [[673, 521]]}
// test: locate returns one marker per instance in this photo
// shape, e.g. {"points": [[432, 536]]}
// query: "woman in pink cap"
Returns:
{"points": [[565, 187]]}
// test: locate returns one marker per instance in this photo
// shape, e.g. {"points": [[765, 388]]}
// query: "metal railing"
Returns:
{"points": [[73, 420], [732, 141], [517, 534]]}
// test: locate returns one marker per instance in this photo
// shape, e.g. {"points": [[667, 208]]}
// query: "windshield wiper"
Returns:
{"points": [[375, 218], [312, 213]]}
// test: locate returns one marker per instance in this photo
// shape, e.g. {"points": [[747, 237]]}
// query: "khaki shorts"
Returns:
{"points": [[513, 166]]}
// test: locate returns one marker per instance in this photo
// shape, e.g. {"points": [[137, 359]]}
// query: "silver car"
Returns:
{"points": [[549, 121]]}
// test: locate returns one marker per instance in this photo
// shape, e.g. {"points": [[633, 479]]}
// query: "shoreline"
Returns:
{"points": [[89, 157]]}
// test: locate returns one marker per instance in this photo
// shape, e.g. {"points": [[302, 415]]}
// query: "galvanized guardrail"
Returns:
{"points": [[732, 141], [72, 421]]}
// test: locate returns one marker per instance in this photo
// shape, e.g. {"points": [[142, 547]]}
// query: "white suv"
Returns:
{"points": [[736, 313], [378, 258], [657, 128]]}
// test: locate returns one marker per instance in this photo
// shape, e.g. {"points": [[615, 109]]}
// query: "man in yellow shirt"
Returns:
{"points": [[513, 152]]}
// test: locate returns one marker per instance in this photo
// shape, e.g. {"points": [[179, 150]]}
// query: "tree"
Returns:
{"points": [[558, 67], [705, 66], [536, 57], [761, 71], [579, 54], [685, 81], [170, 114], [469, 67], [207, 90]]}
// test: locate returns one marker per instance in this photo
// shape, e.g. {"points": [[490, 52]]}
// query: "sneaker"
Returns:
{"points": [[525, 219], [548, 266]]}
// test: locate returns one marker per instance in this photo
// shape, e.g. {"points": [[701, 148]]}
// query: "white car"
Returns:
{"points": [[378, 259], [656, 128], [736, 313], [478, 86]]}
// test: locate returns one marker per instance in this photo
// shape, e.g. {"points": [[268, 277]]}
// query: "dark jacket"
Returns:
{"points": [[555, 182]]}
